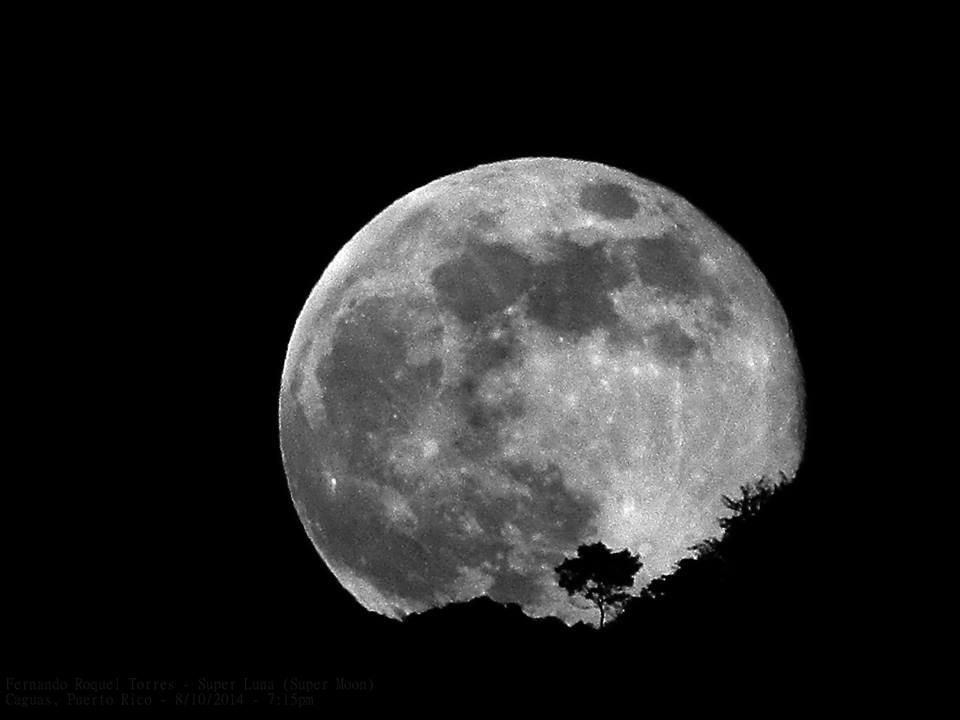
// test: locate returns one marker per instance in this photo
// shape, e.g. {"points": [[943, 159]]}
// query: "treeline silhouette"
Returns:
{"points": [[754, 564], [760, 590], [754, 556]]}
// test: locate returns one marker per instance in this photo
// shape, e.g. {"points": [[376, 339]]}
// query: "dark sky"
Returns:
{"points": [[167, 543]]}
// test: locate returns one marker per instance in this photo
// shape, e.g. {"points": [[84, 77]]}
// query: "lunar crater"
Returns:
{"points": [[506, 365]]}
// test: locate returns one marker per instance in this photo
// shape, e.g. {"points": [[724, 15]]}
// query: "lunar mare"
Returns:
{"points": [[522, 358]]}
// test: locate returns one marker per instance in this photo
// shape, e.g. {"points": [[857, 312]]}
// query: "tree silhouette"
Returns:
{"points": [[599, 575], [752, 499]]}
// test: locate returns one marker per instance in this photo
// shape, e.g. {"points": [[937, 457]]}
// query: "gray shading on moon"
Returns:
{"points": [[522, 358]]}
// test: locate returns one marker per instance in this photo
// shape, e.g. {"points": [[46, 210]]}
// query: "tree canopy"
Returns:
{"points": [[599, 575]]}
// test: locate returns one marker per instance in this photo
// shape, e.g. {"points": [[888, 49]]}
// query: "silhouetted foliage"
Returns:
{"points": [[748, 505], [751, 573], [599, 575], [750, 562]]}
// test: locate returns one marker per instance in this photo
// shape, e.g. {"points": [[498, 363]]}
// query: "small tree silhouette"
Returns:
{"points": [[599, 575], [753, 497]]}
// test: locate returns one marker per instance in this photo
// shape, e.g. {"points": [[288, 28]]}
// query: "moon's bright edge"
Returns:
{"points": [[518, 359]]}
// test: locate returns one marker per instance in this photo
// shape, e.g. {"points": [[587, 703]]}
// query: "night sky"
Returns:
{"points": [[160, 536]]}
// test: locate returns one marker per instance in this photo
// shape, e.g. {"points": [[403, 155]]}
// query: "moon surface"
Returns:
{"points": [[522, 358]]}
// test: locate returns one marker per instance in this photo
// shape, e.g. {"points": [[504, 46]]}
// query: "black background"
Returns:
{"points": [[160, 538]]}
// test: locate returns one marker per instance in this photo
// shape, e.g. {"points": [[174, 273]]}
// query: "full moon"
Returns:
{"points": [[520, 359]]}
